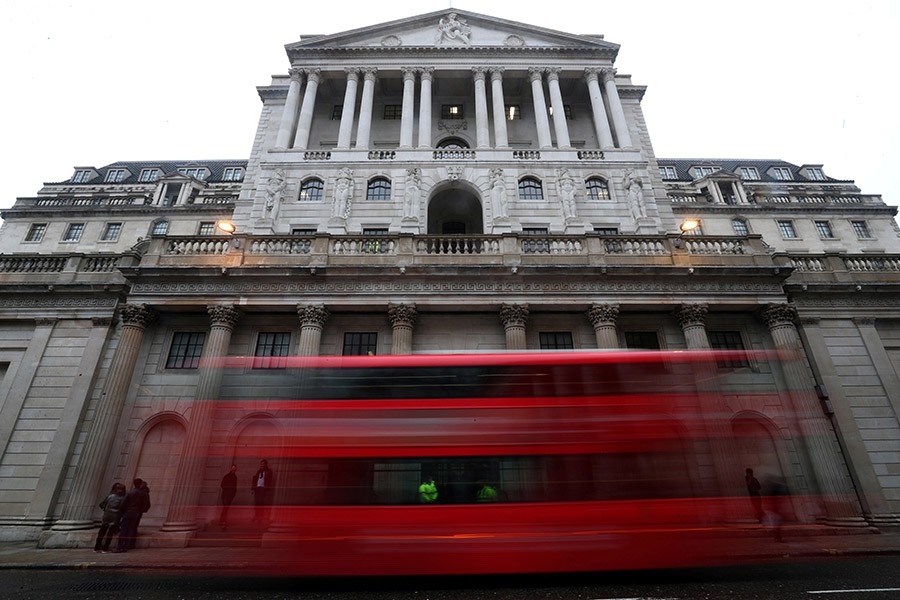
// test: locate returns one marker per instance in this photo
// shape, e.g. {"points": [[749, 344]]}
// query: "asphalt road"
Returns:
{"points": [[875, 577]]}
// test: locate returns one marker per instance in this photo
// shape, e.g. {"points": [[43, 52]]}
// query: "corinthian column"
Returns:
{"points": [[313, 76], [426, 76], [364, 129], [536, 75], [601, 122], [500, 139], [603, 318], [403, 318], [89, 484], [692, 318], [615, 107], [348, 111], [513, 317], [312, 321], [407, 116], [482, 133], [559, 110], [289, 116], [182, 515], [816, 433]]}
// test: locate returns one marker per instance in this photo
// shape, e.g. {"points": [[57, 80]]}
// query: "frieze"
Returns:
{"points": [[45, 302], [849, 302]]}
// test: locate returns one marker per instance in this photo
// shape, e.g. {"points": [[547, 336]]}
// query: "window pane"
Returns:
{"points": [[112, 231], [728, 340], [530, 189], [73, 233], [392, 112], [360, 344], [270, 346], [185, 350], [311, 190], [207, 228], [556, 340], [740, 227], [379, 189], [597, 189], [824, 229], [787, 229], [641, 340], [36, 232], [160, 228], [861, 229]]}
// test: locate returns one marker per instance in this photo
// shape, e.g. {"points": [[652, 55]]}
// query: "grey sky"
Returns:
{"points": [[87, 83]]}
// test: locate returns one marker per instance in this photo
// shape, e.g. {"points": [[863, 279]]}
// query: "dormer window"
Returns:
{"points": [[815, 173], [233, 174], [700, 172], [81, 176], [748, 173], [198, 173], [115, 175], [149, 175], [668, 173], [782, 173]]}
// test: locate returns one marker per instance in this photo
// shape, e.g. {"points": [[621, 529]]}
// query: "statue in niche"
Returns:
{"points": [[498, 194], [275, 193], [413, 194], [454, 30], [567, 194], [634, 187], [343, 194]]}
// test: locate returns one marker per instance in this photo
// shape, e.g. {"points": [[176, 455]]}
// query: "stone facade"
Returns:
{"points": [[502, 193]]}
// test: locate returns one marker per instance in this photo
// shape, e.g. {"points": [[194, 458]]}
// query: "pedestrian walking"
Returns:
{"points": [[262, 486]]}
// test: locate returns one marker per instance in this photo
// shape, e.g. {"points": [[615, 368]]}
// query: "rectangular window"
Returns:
{"points": [[198, 173], [556, 340], [73, 232], [861, 229], [704, 171], [641, 340], [824, 229], [607, 230], [111, 232], [360, 344], [337, 112], [668, 173], [185, 350], [729, 340], [393, 112], [81, 176], [815, 174], [513, 112], [740, 227], [160, 228], [207, 228], [36, 232], [232, 174], [749, 173], [115, 175], [451, 111], [149, 175], [787, 229], [270, 348], [567, 111], [782, 173], [303, 231]]}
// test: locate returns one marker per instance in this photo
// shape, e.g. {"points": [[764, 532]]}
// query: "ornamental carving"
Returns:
{"points": [[223, 316], [312, 315], [496, 73], [514, 40], [514, 315], [778, 315], [402, 315], [296, 74], [453, 31], [391, 41], [535, 74], [691, 315], [603, 314], [608, 75], [137, 315], [314, 75], [453, 126], [478, 73], [591, 74]]}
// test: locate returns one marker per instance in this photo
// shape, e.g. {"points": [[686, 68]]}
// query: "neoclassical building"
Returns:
{"points": [[446, 182]]}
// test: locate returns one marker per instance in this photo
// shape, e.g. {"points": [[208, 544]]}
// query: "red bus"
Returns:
{"points": [[591, 460]]}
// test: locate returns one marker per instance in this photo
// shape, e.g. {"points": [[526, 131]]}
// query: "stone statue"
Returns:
{"points": [[498, 194], [567, 194], [343, 194], [454, 30], [275, 190], [634, 187], [413, 193]]}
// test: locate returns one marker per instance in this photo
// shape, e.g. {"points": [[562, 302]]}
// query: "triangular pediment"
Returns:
{"points": [[451, 29]]}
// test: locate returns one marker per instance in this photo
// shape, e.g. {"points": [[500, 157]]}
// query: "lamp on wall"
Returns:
{"points": [[229, 228], [685, 226]]}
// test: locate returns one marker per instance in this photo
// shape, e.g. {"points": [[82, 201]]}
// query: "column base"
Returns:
{"points": [[73, 525], [844, 522], [179, 526], [75, 538]]}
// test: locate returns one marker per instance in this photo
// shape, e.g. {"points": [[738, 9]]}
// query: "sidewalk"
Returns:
{"points": [[754, 545]]}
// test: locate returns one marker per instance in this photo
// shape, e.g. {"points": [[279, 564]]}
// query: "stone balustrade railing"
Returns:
{"points": [[454, 154], [65, 201], [59, 263]]}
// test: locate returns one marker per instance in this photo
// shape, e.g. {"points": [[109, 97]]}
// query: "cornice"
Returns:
{"points": [[300, 54], [693, 207], [143, 209]]}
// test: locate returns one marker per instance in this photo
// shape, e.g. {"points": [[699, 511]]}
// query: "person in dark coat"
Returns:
{"points": [[262, 486], [754, 490], [109, 524], [229, 490], [145, 506], [132, 508]]}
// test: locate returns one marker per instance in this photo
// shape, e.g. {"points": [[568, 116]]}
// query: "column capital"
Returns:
{"points": [[426, 73], [691, 315], [370, 73], [352, 73], [535, 74], [778, 315], [553, 74], [601, 314], [609, 74], [223, 316], [314, 75], [478, 73], [496, 73], [312, 314], [137, 315], [296, 74], [402, 315], [409, 73], [591, 74], [514, 315]]}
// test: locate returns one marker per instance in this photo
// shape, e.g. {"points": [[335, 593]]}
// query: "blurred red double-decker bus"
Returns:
{"points": [[541, 462]]}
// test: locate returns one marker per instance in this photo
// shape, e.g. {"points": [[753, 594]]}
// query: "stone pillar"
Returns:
{"points": [[536, 75], [313, 76], [601, 122], [615, 106], [89, 484], [289, 116], [182, 517], [312, 321], [692, 318], [348, 112], [559, 110], [426, 76], [364, 129], [500, 139], [403, 318], [816, 434], [407, 110], [482, 133], [513, 317], [603, 318]]}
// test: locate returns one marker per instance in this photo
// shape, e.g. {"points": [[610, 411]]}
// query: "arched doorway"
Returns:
{"points": [[455, 211]]}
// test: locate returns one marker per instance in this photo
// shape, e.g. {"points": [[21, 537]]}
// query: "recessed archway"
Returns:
{"points": [[455, 211]]}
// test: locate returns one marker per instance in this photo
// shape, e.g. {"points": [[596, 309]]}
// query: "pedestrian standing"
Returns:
{"points": [[109, 524], [131, 514], [229, 490], [754, 490], [262, 486]]}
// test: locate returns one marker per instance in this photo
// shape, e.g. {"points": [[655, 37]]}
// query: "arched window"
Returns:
{"points": [[379, 189], [597, 189], [740, 226], [453, 144], [160, 227], [530, 189], [312, 190]]}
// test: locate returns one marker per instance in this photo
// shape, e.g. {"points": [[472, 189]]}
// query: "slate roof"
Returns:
{"points": [[166, 167], [732, 165]]}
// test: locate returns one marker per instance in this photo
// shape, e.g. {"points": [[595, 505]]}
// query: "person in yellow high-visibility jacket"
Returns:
{"points": [[428, 493], [486, 494]]}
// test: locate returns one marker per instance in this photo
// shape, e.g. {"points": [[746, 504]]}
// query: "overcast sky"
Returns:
{"points": [[87, 83]]}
